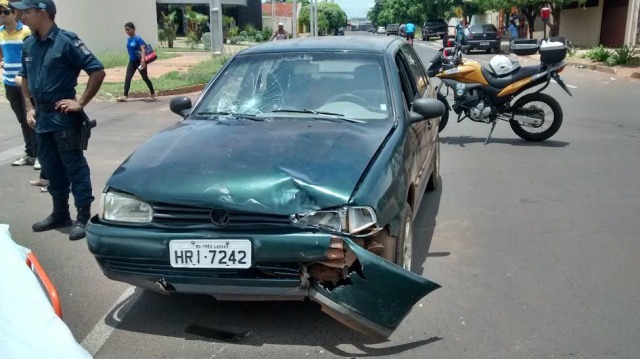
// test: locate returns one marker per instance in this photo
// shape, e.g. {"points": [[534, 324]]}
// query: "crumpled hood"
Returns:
{"points": [[278, 167]]}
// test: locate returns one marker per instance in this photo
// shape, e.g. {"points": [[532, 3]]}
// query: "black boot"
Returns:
{"points": [[77, 231], [59, 218]]}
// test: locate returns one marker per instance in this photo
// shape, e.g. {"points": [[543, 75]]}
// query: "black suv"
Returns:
{"points": [[434, 27]]}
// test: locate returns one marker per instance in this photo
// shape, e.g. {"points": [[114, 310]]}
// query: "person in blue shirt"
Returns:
{"points": [[52, 59], [513, 30], [410, 30], [136, 48], [460, 31]]}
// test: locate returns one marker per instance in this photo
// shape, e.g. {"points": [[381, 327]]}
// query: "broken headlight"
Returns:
{"points": [[352, 220], [122, 207]]}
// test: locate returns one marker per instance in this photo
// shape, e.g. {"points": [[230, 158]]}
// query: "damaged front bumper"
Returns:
{"points": [[352, 284]]}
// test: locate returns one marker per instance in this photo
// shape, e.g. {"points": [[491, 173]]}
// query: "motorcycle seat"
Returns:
{"points": [[504, 81]]}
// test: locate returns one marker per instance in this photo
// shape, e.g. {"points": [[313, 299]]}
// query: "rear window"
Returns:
{"points": [[483, 28]]}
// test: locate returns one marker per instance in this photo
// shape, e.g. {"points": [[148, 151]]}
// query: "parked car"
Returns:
{"points": [[341, 31], [297, 173], [434, 27], [382, 30], [482, 37], [372, 30], [392, 29]]}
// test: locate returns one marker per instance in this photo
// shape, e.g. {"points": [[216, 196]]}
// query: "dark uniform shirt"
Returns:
{"points": [[52, 65]]}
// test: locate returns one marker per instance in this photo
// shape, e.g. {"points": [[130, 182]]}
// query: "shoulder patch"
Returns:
{"points": [[69, 34]]}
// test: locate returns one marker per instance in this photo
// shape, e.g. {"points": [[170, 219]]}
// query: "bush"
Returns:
{"points": [[233, 32], [259, 37], [206, 40], [244, 34], [162, 35], [598, 53], [250, 29], [623, 56], [267, 32], [192, 39], [236, 40]]}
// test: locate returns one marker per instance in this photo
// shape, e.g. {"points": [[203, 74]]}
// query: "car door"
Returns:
{"points": [[419, 83]]}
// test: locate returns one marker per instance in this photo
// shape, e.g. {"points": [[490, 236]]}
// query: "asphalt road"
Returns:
{"points": [[536, 245]]}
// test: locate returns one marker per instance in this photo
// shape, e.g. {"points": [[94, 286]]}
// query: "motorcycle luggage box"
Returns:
{"points": [[554, 54], [524, 47]]}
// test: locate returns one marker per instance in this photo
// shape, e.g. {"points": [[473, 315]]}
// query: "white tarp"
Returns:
{"points": [[29, 328]]}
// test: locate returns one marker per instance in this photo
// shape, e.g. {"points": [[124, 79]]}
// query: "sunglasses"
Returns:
{"points": [[5, 12]]}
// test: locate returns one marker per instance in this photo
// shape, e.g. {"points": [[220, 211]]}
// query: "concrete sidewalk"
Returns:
{"points": [[181, 63]]}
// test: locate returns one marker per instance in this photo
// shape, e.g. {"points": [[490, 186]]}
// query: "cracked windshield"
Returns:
{"points": [[345, 85]]}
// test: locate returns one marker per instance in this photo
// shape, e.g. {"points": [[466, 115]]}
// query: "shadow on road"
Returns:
{"points": [[464, 140], [281, 323], [424, 226]]}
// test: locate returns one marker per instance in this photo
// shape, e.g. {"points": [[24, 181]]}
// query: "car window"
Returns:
{"points": [[409, 89], [415, 66], [483, 28], [354, 85]]}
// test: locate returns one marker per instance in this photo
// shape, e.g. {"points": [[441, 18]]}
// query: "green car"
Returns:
{"points": [[296, 174]]}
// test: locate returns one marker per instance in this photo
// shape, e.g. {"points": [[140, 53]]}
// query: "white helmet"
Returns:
{"points": [[502, 65]]}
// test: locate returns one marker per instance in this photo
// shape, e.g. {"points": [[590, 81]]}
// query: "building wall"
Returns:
{"points": [[582, 26], [100, 24], [632, 33]]}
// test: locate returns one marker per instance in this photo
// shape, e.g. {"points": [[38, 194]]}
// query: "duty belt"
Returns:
{"points": [[46, 107]]}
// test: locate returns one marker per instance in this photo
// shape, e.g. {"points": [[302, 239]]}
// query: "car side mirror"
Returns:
{"points": [[426, 108], [180, 105]]}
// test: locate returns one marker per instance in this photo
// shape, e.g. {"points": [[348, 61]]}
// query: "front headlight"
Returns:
{"points": [[121, 207], [351, 220]]}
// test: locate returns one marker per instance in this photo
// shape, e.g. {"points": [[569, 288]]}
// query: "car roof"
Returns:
{"points": [[375, 44]]}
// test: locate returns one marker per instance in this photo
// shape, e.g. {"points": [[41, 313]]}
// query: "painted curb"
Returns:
{"points": [[170, 92]]}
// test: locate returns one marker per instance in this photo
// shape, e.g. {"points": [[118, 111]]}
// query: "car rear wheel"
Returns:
{"points": [[404, 243], [488, 51]]}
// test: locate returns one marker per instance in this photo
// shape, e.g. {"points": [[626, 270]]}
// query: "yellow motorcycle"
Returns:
{"points": [[486, 93]]}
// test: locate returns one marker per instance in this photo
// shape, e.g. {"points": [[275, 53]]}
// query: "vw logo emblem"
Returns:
{"points": [[219, 218]]}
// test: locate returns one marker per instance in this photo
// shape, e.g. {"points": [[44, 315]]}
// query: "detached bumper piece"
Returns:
{"points": [[374, 297]]}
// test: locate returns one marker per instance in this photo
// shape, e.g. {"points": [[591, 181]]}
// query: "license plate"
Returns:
{"points": [[210, 253], [484, 44]]}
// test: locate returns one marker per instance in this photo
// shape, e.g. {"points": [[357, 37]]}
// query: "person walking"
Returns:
{"points": [[513, 30], [12, 35], [280, 34], [137, 51], [51, 62]]}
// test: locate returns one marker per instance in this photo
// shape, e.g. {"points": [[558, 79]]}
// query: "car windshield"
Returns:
{"points": [[306, 84], [483, 28], [434, 22]]}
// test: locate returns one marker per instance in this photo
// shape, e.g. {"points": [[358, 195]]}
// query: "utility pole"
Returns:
{"points": [[215, 19], [315, 17], [294, 27], [311, 20]]}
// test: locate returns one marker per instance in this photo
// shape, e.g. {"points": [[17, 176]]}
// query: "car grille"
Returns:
{"points": [[161, 268], [178, 215]]}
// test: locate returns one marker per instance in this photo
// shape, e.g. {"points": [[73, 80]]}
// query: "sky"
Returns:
{"points": [[356, 8]]}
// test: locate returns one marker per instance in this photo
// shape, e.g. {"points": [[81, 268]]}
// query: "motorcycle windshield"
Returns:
{"points": [[376, 297]]}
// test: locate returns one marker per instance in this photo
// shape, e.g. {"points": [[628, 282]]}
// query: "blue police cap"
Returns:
{"points": [[46, 5]]}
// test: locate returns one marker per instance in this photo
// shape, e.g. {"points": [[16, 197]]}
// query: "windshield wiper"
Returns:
{"points": [[330, 115], [234, 115]]}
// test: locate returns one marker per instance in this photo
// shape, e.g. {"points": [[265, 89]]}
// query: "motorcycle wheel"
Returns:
{"points": [[547, 107], [445, 118]]}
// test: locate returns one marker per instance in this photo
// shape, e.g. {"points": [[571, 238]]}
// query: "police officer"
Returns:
{"points": [[51, 62]]}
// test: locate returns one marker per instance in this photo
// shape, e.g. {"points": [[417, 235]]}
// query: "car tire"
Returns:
{"points": [[497, 50], [404, 252], [424, 38], [434, 180], [488, 51]]}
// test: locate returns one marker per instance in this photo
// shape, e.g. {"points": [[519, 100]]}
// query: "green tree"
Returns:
{"points": [[170, 26], [195, 20], [330, 16]]}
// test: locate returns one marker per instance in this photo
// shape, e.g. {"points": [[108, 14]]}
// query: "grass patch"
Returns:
{"points": [[182, 49], [111, 59], [197, 75]]}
